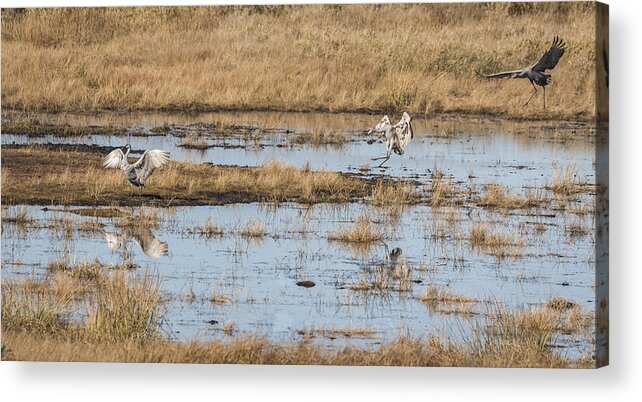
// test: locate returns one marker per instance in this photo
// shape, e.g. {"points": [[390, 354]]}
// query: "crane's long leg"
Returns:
{"points": [[384, 161], [388, 152], [544, 97], [534, 93]]}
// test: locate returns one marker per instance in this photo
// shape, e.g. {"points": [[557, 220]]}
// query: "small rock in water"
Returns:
{"points": [[212, 322], [306, 284]]}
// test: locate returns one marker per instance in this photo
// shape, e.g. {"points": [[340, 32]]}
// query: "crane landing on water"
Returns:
{"points": [[536, 73], [397, 136]]}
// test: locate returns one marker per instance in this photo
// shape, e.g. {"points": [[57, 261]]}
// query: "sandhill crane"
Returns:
{"points": [[151, 246], [536, 72], [140, 170], [398, 136]]}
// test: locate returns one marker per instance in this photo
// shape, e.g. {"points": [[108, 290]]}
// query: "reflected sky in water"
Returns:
{"points": [[258, 275]]}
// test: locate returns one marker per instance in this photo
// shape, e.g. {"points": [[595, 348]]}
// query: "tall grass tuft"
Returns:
{"points": [[362, 231], [31, 306], [124, 307], [85, 302]]}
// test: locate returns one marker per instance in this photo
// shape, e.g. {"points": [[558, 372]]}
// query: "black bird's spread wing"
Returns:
{"points": [[553, 55], [504, 74]]}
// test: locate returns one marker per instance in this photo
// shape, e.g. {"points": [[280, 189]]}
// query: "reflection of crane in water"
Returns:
{"points": [[396, 264], [398, 136], [140, 170], [536, 73], [151, 246]]}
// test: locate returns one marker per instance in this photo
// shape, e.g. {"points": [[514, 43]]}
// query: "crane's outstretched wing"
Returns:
{"points": [[150, 245], [553, 55], [404, 130], [503, 74], [379, 127], [384, 120], [114, 159], [150, 161]]}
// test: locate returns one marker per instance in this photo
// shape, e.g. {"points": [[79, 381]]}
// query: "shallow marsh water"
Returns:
{"points": [[522, 155], [257, 276]]}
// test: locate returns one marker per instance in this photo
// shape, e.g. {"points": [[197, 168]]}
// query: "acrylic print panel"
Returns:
{"points": [[393, 184]]}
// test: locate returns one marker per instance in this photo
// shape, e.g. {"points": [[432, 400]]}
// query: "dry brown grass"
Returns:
{"points": [[532, 331], [114, 304], [565, 181], [90, 226], [193, 141], [18, 216], [577, 228], [40, 321], [205, 58], [209, 229], [216, 297], [320, 138], [441, 189], [347, 332], [442, 300], [499, 196], [500, 243], [124, 307], [39, 175], [510, 349], [393, 193], [362, 231], [560, 304], [571, 318], [253, 228], [439, 294]]}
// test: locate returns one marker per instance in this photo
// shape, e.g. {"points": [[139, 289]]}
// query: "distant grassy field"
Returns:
{"points": [[381, 58]]}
